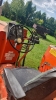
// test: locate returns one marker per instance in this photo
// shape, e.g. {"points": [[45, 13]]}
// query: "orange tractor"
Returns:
{"points": [[18, 82], [21, 83]]}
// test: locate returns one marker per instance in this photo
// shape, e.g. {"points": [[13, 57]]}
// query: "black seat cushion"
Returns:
{"points": [[23, 75], [16, 78]]}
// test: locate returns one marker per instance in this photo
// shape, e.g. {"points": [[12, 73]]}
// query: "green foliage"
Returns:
{"points": [[17, 5], [6, 10], [41, 21], [43, 16], [17, 10], [51, 20], [38, 14], [37, 21], [55, 34], [50, 24], [27, 14]]}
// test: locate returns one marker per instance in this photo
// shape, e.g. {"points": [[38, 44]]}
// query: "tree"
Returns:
{"points": [[43, 16], [29, 12], [40, 22], [37, 21], [17, 7], [50, 24], [38, 14], [6, 9], [55, 34], [51, 20]]}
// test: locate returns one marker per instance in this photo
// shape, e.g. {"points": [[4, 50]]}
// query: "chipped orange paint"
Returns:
{"points": [[3, 92], [49, 59]]}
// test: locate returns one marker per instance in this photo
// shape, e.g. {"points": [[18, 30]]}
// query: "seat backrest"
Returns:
{"points": [[13, 85]]}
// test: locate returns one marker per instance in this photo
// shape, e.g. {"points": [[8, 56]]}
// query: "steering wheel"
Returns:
{"points": [[16, 37]]}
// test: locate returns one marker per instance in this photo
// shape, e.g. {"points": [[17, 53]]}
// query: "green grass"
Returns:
{"points": [[34, 57], [4, 19]]}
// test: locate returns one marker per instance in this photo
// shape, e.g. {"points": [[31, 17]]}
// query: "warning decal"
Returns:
{"points": [[9, 55], [53, 51]]}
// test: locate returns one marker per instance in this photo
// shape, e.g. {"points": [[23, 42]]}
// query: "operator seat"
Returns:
{"points": [[27, 78]]}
